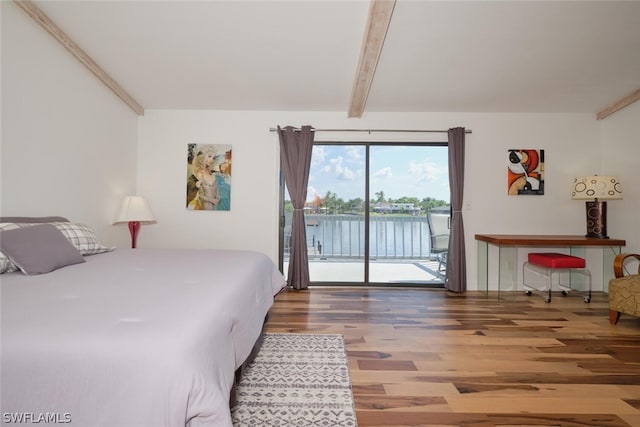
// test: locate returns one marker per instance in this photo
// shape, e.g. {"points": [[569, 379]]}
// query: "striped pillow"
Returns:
{"points": [[6, 266]]}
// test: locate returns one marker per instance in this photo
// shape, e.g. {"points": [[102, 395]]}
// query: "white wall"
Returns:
{"points": [[162, 152], [621, 156], [68, 143], [70, 147], [252, 221]]}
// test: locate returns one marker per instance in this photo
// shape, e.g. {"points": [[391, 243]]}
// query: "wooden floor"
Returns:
{"points": [[434, 358]]}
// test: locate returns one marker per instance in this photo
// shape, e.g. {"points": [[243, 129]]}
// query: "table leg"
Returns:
{"points": [[508, 265], [483, 266]]}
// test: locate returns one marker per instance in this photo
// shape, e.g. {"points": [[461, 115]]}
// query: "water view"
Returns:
{"points": [[402, 248], [342, 236], [403, 196]]}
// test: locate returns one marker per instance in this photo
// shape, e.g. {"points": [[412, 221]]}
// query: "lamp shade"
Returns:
{"points": [[135, 208], [596, 187]]}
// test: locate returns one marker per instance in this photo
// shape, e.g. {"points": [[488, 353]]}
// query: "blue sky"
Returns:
{"points": [[417, 171]]}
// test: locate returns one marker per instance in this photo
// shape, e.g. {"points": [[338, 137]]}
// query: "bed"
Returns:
{"points": [[132, 337]]}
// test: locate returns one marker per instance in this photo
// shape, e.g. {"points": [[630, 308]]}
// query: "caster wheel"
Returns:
{"points": [[565, 293], [587, 300], [547, 300], [528, 293]]}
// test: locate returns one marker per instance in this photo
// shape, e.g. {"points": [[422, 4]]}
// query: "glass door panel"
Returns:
{"points": [[375, 213], [334, 214], [407, 184]]}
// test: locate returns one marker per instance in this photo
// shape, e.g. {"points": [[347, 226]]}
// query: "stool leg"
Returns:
{"points": [[547, 274], [588, 298], [550, 274]]}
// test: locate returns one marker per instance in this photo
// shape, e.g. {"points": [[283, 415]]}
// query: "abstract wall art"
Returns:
{"points": [[525, 172]]}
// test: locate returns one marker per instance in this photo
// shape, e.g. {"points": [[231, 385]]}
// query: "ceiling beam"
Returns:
{"points": [[380, 12], [45, 22], [619, 105]]}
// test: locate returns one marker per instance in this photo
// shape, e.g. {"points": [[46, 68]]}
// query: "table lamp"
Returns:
{"points": [[596, 190], [135, 211]]}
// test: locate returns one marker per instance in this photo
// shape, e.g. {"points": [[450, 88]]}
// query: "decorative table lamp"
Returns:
{"points": [[596, 190], [135, 211]]}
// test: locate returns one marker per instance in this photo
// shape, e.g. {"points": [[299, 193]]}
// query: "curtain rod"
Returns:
{"points": [[376, 130]]}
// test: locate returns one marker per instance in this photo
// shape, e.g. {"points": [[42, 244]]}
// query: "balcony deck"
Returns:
{"points": [[400, 248], [404, 272]]}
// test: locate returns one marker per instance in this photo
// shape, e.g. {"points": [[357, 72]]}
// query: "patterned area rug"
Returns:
{"points": [[296, 380]]}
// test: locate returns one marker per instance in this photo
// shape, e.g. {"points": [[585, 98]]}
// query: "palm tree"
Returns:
{"points": [[331, 202]]}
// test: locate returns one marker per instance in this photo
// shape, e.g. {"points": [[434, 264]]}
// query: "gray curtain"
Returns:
{"points": [[457, 258], [295, 154]]}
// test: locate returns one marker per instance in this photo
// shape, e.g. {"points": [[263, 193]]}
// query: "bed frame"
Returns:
{"points": [[233, 396]]}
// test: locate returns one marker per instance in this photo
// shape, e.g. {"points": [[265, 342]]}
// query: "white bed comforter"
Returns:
{"points": [[143, 337]]}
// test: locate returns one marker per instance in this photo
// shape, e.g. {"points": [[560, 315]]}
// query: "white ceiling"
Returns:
{"points": [[446, 56]]}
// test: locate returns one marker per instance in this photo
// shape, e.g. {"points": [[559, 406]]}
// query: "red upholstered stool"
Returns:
{"points": [[546, 264]]}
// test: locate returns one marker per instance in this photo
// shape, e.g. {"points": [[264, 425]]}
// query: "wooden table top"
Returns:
{"points": [[546, 240]]}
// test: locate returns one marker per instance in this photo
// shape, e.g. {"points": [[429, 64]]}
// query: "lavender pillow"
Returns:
{"points": [[33, 219], [38, 249]]}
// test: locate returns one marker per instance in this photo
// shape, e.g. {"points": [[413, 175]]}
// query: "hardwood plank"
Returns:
{"points": [[396, 419], [518, 404], [433, 358], [386, 365]]}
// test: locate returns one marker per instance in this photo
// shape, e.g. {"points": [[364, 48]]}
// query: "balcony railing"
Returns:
{"points": [[343, 236]]}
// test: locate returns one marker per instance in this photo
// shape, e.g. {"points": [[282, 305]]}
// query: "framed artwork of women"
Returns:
{"points": [[208, 177]]}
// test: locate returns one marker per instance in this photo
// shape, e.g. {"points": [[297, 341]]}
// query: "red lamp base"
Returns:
{"points": [[134, 228]]}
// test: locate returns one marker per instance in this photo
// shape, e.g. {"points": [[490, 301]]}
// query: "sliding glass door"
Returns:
{"points": [[406, 184], [369, 214]]}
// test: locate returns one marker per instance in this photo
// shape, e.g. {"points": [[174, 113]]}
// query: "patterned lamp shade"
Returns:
{"points": [[596, 187]]}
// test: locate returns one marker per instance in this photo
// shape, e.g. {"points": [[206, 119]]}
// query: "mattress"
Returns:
{"points": [[133, 337]]}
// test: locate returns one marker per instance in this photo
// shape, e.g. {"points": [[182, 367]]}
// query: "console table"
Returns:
{"points": [[507, 246]]}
